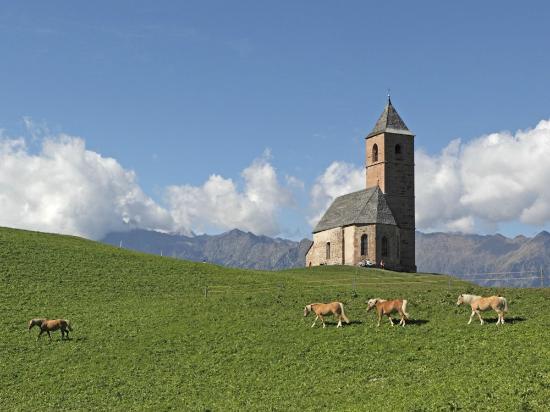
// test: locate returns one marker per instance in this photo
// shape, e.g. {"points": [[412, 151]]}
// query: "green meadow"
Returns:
{"points": [[147, 337]]}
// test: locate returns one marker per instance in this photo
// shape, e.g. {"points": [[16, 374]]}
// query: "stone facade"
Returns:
{"points": [[345, 246], [393, 172], [388, 220]]}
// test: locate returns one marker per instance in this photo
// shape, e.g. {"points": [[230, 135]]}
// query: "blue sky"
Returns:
{"points": [[178, 91]]}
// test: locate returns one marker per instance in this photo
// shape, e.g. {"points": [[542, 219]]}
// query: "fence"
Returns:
{"points": [[524, 278]]}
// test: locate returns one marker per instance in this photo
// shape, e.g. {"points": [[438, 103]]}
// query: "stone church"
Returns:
{"points": [[376, 223]]}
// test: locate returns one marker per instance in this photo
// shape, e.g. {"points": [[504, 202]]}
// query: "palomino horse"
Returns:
{"points": [[325, 309], [481, 304], [50, 325], [387, 307]]}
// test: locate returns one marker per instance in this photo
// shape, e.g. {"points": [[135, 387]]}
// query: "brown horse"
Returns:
{"points": [[51, 325], [387, 307], [481, 304], [326, 309]]}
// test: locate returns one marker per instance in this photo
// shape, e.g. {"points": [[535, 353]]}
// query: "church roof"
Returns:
{"points": [[362, 207], [390, 122]]}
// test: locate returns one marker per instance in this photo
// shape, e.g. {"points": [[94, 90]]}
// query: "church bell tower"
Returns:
{"points": [[390, 166]]}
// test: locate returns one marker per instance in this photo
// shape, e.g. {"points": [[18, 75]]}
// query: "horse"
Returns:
{"points": [[481, 304], [387, 307], [50, 325], [325, 309]]}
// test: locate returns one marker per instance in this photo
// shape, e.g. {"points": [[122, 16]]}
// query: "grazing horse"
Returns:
{"points": [[325, 309], [50, 325], [387, 307], [481, 304]]}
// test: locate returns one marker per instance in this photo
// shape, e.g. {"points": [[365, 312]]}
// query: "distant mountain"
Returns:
{"points": [[463, 255], [448, 253], [234, 248]]}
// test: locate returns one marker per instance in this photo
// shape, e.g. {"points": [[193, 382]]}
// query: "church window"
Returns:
{"points": [[375, 153], [328, 250], [384, 246], [397, 149], [364, 244]]}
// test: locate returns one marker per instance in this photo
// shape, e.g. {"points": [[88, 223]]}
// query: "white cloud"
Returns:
{"points": [[338, 179], [220, 204], [66, 188], [497, 178]]}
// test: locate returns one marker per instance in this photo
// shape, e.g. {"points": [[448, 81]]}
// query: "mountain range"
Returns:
{"points": [[234, 248], [489, 257]]}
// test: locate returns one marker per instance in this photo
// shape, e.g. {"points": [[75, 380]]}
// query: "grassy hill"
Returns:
{"points": [[146, 337]]}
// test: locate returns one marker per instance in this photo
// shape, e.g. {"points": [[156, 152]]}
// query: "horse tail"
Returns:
{"points": [[343, 313], [69, 325], [503, 300], [404, 308]]}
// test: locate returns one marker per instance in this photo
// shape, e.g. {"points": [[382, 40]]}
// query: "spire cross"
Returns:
{"points": [[389, 96]]}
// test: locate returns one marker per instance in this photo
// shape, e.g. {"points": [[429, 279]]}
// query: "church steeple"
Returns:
{"points": [[390, 122]]}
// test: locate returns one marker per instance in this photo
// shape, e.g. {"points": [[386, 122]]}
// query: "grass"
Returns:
{"points": [[146, 338]]}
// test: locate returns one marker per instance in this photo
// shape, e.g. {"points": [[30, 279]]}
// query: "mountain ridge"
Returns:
{"points": [[447, 253]]}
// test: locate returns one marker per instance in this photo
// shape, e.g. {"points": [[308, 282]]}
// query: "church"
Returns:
{"points": [[376, 223]]}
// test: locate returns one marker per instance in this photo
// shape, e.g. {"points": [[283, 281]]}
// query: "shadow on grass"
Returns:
{"points": [[511, 319], [335, 323], [417, 322]]}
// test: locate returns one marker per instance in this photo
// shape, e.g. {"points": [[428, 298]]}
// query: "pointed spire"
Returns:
{"points": [[390, 121]]}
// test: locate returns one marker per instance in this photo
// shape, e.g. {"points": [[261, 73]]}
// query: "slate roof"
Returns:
{"points": [[390, 122], [362, 207]]}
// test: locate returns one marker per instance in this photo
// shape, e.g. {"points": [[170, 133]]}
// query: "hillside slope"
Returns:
{"points": [[146, 337]]}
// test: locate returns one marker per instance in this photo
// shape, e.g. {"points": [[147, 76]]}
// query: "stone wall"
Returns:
{"points": [[345, 246], [394, 174], [370, 231], [408, 259], [317, 253], [375, 170], [393, 259], [349, 245]]}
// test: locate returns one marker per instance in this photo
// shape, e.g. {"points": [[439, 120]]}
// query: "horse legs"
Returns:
{"points": [[471, 316], [322, 320], [379, 319], [316, 317], [500, 318], [479, 316], [50, 336], [40, 334], [402, 318], [339, 322], [391, 320]]}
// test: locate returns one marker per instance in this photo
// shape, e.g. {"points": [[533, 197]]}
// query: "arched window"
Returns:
{"points": [[375, 153], [397, 149], [328, 250], [364, 244], [384, 246]]}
